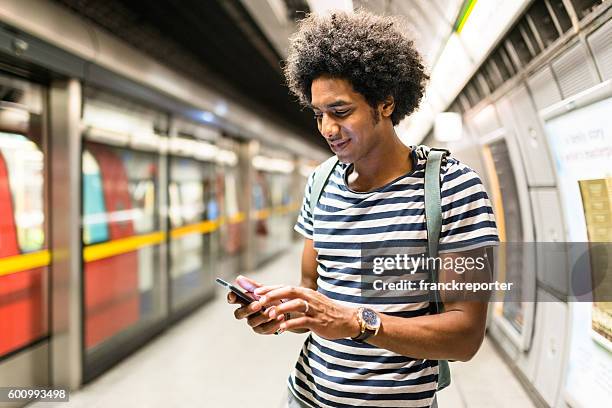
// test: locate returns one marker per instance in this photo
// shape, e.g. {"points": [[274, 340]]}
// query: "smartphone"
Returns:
{"points": [[243, 296]]}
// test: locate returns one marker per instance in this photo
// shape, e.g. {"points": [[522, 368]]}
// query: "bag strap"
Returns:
{"points": [[433, 218], [320, 180], [433, 200]]}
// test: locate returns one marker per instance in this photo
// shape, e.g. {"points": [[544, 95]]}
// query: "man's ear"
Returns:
{"points": [[386, 107]]}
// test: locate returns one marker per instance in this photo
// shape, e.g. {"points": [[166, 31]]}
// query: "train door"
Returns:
{"points": [[24, 254], [122, 232], [232, 217], [273, 209], [194, 221]]}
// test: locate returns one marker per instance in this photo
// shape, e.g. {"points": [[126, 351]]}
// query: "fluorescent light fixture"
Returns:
{"points": [[448, 127], [270, 164], [221, 109], [227, 157], [207, 117], [193, 148], [204, 151]]}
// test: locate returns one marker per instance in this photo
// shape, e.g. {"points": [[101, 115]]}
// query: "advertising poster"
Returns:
{"points": [[581, 143]]}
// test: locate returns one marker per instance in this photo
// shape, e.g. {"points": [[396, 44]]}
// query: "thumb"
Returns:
{"points": [[247, 284]]}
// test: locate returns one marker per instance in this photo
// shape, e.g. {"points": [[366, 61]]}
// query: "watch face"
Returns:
{"points": [[370, 317]]}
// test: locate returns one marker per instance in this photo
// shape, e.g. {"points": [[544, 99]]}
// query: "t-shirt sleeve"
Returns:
{"points": [[304, 223], [467, 217]]}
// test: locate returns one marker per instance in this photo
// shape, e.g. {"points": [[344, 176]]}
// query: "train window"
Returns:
{"points": [[23, 286], [95, 224], [272, 207], [231, 239], [560, 16], [130, 177], [141, 170], [25, 163], [193, 208], [120, 221], [541, 22], [584, 7]]}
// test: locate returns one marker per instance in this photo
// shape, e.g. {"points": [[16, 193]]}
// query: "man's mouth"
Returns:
{"points": [[339, 145]]}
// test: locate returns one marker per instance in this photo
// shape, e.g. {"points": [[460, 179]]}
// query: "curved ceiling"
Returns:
{"points": [[215, 42]]}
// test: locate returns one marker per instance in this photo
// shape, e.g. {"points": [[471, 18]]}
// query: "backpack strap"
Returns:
{"points": [[433, 218], [433, 200], [320, 180]]}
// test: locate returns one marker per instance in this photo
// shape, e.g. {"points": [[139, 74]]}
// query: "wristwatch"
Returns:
{"points": [[369, 323]]}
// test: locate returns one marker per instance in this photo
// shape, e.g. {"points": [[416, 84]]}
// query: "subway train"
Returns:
{"points": [[122, 197]]}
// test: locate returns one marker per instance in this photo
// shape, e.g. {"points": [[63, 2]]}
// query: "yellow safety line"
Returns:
{"points": [[261, 214], [19, 263], [280, 210], [203, 227], [236, 218], [121, 246], [284, 209], [124, 245]]}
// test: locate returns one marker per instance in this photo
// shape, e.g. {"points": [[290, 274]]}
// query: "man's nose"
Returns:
{"points": [[329, 128]]}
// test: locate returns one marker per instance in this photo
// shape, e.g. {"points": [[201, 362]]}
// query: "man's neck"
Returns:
{"points": [[387, 161]]}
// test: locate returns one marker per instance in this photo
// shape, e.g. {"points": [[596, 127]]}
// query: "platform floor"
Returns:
{"points": [[194, 365]]}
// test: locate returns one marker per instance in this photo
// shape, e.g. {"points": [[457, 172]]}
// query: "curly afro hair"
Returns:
{"points": [[369, 51]]}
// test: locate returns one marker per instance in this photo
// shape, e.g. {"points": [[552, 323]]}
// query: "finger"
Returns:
{"points": [[247, 284], [303, 322], [268, 328], [291, 306], [286, 292], [231, 297], [265, 289], [246, 311], [258, 319]]}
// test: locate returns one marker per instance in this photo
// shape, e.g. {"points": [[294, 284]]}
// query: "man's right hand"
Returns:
{"points": [[260, 322]]}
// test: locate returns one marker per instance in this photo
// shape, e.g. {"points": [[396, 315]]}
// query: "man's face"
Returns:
{"points": [[344, 117]]}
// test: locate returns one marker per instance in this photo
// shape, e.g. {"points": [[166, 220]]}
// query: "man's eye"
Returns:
{"points": [[342, 112]]}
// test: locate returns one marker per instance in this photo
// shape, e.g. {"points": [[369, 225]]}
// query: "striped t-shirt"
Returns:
{"points": [[345, 373]]}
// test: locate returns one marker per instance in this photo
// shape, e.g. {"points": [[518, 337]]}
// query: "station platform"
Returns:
{"points": [[194, 364]]}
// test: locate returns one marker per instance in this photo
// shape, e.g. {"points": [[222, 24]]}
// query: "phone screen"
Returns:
{"points": [[243, 296]]}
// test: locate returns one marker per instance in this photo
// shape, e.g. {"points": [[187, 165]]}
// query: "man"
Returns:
{"points": [[361, 76]]}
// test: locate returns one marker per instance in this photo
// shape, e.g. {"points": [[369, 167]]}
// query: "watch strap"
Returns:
{"points": [[366, 334]]}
